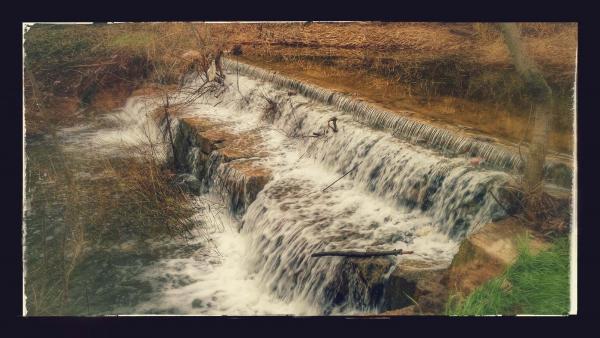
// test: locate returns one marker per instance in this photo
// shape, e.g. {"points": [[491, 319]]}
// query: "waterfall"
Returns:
{"points": [[395, 194], [399, 125]]}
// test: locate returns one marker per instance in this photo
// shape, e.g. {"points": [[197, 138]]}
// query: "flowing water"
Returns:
{"points": [[395, 195]]}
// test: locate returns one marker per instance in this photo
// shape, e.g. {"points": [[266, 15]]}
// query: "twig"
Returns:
{"points": [[349, 171], [497, 201], [93, 65]]}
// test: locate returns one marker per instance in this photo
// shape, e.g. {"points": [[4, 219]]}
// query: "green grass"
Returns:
{"points": [[534, 284], [49, 46]]}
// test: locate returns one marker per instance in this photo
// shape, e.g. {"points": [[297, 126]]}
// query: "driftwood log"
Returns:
{"points": [[362, 254]]}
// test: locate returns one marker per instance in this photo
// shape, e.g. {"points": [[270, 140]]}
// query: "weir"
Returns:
{"points": [[407, 128], [271, 156]]}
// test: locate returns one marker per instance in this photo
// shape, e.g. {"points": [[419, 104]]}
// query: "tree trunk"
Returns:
{"points": [[541, 96], [534, 170]]}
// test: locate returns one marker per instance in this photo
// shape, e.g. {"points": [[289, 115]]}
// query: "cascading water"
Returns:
{"points": [[407, 128], [396, 195]]}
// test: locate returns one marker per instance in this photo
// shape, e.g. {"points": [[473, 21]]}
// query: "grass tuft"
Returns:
{"points": [[534, 284]]}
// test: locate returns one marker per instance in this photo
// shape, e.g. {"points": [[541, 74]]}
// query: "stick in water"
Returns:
{"points": [[334, 182], [361, 254]]}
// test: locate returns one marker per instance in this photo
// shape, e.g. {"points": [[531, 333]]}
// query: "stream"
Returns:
{"points": [[257, 262]]}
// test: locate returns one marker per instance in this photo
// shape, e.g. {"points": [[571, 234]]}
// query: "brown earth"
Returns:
{"points": [[487, 253]]}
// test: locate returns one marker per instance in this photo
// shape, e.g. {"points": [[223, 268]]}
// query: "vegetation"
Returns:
{"points": [[73, 72], [456, 73], [534, 284], [122, 199]]}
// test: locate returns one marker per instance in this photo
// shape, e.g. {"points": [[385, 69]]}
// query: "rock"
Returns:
{"points": [[243, 180], [369, 277], [368, 283], [486, 253], [210, 136], [424, 282], [197, 303], [360, 283]]}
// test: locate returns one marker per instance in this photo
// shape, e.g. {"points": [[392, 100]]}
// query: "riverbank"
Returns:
{"points": [[450, 73], [535, 284]]}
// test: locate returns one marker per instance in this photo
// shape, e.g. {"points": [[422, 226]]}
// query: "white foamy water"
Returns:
{"points": [[213, 284], [114, 132], [396, 195]]}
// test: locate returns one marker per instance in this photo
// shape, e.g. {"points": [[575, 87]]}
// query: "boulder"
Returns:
{"points": [[360, 283], [418, 283]]}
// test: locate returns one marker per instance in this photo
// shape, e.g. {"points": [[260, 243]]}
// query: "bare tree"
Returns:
{"points": [[171, 66], [541, 97]]}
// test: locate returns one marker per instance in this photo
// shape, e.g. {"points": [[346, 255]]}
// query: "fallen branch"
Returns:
{"points": [[498, 202], [361, 254], [349, 171]]}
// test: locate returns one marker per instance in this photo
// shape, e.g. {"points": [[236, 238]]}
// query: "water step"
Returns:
{"points": [[449, 141], [224, 160]]}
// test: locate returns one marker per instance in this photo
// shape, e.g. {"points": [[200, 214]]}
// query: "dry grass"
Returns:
{"points": [[95, 68], [458, 73], [124, 198], [452, 73], [550, 43]]}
